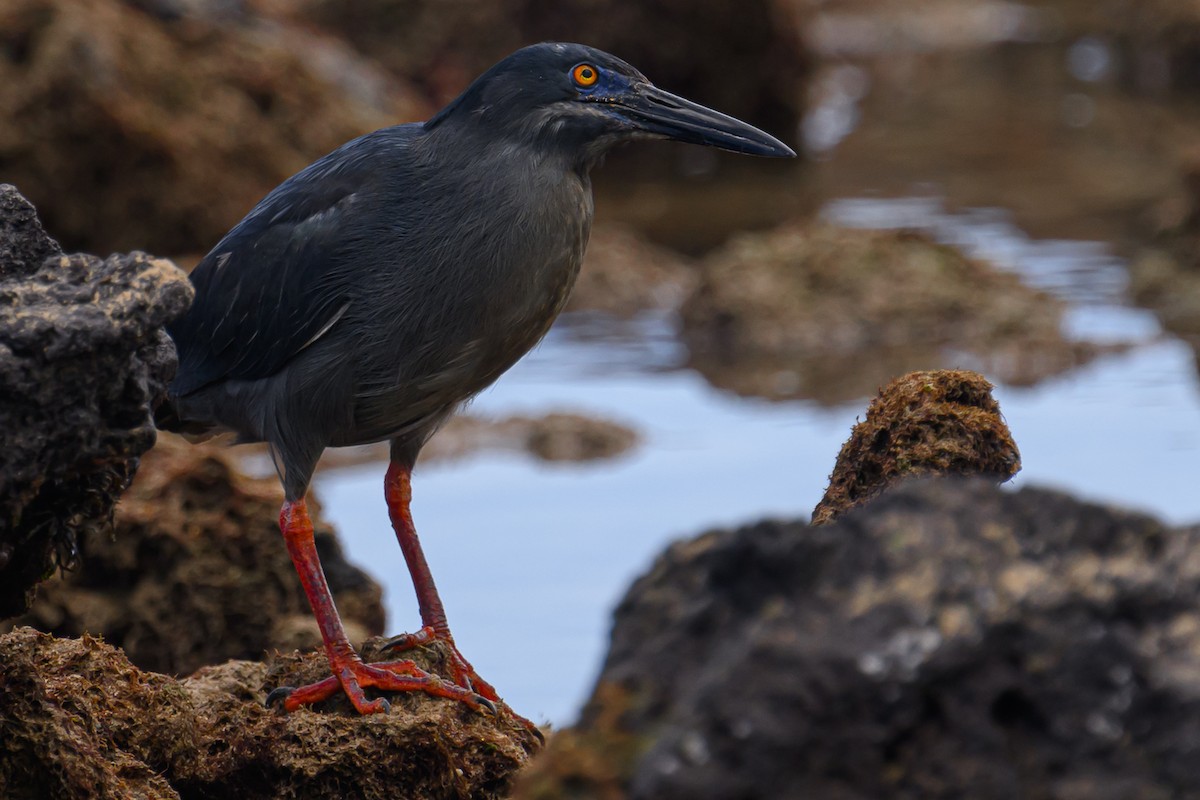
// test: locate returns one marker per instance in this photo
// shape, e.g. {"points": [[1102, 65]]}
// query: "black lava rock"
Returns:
{"points": [[947, 640], [83, 358]]}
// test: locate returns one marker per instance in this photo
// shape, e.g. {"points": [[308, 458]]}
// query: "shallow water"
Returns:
{"points": [[531, 558]]}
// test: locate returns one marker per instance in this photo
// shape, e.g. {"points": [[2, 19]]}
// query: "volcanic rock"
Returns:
{"points": [[83, 358], [81, 722]]}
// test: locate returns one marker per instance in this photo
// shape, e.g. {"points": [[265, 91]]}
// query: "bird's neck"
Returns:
{"points": [[534, 188], [533, 142]]}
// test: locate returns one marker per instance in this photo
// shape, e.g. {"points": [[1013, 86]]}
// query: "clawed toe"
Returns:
{"points": [[408, 641], [462, 675], [487, 705], [278, 696], [352, 676]]}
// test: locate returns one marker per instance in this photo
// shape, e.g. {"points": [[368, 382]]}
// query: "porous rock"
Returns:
{"points": [[924, 423], [947, 640], [83, 357], [81, 722]]}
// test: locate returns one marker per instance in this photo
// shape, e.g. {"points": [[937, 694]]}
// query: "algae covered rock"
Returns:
{"points": [[81, 722], [924, 423], [830, 313]]}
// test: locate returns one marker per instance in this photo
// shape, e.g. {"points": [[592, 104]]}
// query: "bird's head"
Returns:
{"points": [[583, 101]]}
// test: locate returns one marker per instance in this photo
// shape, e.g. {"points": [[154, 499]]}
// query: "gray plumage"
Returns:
{"points": [[371, 294]]}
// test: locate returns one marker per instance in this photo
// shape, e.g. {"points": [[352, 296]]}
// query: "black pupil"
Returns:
{"points": [[585, 74]]}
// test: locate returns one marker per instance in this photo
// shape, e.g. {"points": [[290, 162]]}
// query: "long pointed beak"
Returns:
{"points": [[660, 113]]}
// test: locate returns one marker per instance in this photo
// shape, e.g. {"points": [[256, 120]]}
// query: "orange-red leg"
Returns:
{"points": [[350, 674], [398, 491]]}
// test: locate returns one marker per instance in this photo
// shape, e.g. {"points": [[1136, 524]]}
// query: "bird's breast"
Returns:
{"points": [[539, 264], [487, 289]]}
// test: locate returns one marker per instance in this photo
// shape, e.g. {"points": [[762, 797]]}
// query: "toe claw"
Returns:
{"points": [[278, 695], [408, 641], [488, 705], [384, 706], [540, 736]]}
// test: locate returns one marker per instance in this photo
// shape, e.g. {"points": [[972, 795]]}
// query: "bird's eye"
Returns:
{"points": [[585, 75]]}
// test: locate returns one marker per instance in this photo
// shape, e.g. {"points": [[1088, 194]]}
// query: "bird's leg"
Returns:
{"points": [[398, 491], [350, 674]]}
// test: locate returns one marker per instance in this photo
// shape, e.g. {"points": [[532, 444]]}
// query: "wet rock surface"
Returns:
{"points": [[947, 640], [81, 722], [822, 312], [924, 423], [83, 358], [194, 572]]}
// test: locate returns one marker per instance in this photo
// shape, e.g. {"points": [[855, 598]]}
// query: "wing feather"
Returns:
{"points": [[281, 278]]}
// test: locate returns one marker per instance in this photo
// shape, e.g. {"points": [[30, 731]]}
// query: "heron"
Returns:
{"points": [[371, 294]]}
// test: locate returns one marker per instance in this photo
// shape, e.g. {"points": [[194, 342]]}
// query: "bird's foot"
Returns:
{"points": [[351, 676], [461, 672]]}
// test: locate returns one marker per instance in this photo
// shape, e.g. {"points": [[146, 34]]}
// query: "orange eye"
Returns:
{"points": [[585, 75]]}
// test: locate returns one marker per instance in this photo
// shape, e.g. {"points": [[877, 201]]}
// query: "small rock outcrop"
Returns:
{"points": [[948, 640], [83, 357], [924, 423], [624, 274], [554, 436]]}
